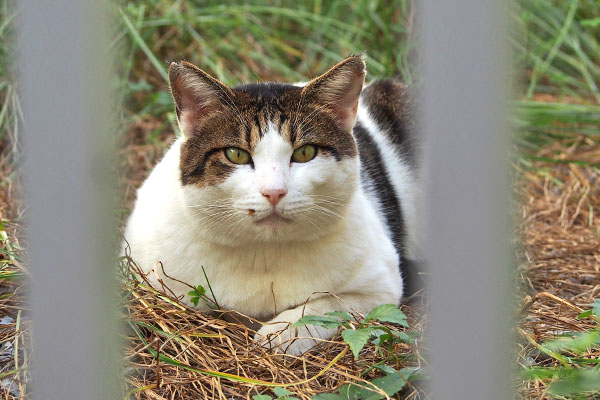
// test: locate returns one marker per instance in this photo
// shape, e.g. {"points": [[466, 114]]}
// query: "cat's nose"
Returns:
{"points": [[273, 195]]}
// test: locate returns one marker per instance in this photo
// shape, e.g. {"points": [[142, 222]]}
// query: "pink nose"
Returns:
{"points": [[273, 195]]}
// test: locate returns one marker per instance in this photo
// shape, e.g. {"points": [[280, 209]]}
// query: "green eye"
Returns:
{"points": [[304, 153], [237, 156]]}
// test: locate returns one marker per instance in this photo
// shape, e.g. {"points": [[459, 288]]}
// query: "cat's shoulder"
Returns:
{"points": [[389, 100], [386, 91], [391, 105]]}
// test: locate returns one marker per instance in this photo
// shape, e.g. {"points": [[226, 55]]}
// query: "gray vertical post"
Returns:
{"points": [[65, 69], [464, 120]]}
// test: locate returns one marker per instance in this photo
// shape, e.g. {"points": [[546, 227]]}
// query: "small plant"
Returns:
{"points": [[356, 334], [391, 384], [196, 294], [578, 373], [281, 393], [592, 312]]}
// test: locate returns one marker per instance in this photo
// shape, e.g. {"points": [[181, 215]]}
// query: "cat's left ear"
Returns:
{"points": [[338, 90]]}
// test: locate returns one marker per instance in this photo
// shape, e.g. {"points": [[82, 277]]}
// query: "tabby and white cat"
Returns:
{"points": [[296, 200]]}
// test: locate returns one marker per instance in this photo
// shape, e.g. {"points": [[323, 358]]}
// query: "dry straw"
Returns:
{"points": [[559, 271], [174, 351]]}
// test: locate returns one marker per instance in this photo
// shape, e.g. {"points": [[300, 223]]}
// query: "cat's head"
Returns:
{"points": [[268, 161]]}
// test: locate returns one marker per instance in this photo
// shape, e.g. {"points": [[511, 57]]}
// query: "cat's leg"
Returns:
{"points": [[279, 335]]}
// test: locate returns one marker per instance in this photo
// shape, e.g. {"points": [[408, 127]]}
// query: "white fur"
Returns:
{"points": [[336, 241], [401, 177]]}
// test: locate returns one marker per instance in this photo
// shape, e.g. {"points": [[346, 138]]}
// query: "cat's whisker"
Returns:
{"points": [[209, 206], [329, 202], [325, 210], [307, 219], [221, 220], [322, 196]]}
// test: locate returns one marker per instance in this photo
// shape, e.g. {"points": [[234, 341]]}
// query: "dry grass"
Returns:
{"points": [[224, 362], [14, 327], [559, 274]]}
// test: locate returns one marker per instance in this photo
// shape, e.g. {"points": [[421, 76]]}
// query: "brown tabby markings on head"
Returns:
{"points": [[316, 114]]}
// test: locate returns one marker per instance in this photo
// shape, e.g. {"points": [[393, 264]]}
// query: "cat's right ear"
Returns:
{"points": [[197, 95]]}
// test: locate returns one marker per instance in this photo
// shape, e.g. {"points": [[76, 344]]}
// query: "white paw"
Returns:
{"points": [[282, 337]]}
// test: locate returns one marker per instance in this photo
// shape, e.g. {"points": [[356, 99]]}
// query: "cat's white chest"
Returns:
{"points": [[263, 279]]}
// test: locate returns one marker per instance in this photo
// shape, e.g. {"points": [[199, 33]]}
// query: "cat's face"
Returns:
{"points": [[268, 162]]}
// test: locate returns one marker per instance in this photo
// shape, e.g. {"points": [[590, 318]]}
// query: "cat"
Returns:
{"points": [[294, 199]]}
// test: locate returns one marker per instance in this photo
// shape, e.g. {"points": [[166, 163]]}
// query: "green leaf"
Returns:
{"points": [[345, 316], [261, 397], [387, 313], [380, 336], [542, 372], [596, 308], [356, 339], [283, 393], [391, 384], [200, 290], [196, 294], [345, 392], [576, 382], [319, 320], [328, 396], [407, 338], [592, 23], [579, 343]]}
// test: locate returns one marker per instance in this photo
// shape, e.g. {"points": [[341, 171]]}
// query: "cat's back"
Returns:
{"points": [[385, 136], [390, 105]]}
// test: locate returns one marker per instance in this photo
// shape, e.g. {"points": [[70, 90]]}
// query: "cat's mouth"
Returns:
{"points": [[273, 218]]}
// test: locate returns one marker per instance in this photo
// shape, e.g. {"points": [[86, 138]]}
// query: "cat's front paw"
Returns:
{"points": [[282, 337]]}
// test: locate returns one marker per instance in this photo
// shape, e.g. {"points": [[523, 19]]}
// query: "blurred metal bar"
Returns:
{"points": [[464, 120], [65, 69]]}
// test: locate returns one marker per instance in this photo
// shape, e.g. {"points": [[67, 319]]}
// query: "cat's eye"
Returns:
{"points": [[237, 155], [304, 153]]}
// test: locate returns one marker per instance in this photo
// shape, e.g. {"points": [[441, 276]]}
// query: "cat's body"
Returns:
{"points": [[297, 220]]}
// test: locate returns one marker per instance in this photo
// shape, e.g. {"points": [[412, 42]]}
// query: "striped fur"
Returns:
{"points": [[385, 132]]}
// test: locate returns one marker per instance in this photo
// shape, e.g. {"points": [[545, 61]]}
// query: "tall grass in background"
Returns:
{"points": [[10, 106], [556, 47], [257, 41]]}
